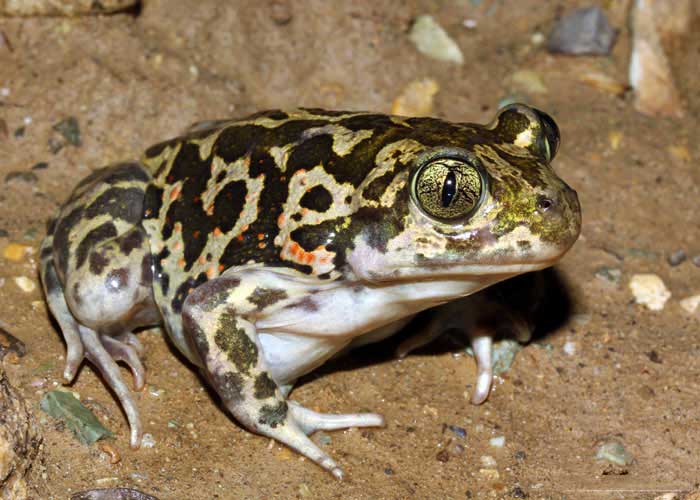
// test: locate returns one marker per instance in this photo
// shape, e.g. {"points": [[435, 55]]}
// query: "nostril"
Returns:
{"points": [[544, 204]]}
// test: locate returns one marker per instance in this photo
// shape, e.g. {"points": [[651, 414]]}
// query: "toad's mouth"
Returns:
{"points": [[453, 272]]}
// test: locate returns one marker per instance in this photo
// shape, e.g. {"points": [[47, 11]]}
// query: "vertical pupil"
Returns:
{"points": [[449, 188]]}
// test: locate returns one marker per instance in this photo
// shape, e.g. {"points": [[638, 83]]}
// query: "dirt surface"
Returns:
{"points": [[613, 371]]}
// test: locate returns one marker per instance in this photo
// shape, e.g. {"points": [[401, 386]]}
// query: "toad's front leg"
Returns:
{"points": [[219, 323]]}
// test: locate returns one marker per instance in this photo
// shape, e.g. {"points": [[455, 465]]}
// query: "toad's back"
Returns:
{"points": [[277, 188]]}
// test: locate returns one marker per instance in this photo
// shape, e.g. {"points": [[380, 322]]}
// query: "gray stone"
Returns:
{"points": [[582, 31]]}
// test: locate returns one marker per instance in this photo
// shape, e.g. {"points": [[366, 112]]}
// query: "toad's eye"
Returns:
{"points": [[448, 189]]}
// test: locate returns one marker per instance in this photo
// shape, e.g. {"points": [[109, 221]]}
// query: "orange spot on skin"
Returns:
{"points": [[175, 193], [211, 272], [261, 245], [210, 210], [181, 263], [281, 220], [245, 228], [177, 245], [196, 234], [239, 237], [178, 227], [201, 259], [217, 231], [261, 236], [221, 268]]}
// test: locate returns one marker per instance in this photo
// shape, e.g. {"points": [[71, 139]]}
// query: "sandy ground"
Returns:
{"points": [[627, 373]]}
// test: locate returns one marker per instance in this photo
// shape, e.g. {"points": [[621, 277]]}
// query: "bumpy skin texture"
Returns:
{"points": [[267, 245]]}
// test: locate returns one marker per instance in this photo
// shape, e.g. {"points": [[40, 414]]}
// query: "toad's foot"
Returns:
{"points": [[483, 354], [103, 352], [310, 421], [469, 318]]}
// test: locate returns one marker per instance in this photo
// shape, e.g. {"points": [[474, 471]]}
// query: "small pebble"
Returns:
{"points": [[443, 456], [111, 451], [304, 490], [668, 496], [654, 357], [537, 39], [70, 130], [680, 153], [25, 284], [490, 474], [615, 138], [433, 41], [148, 441], [519, 455], [389, 471], [281, 12], [11, 348], [19, 132], [27, 120], [21, 176], [690, 304], [676, 258], [504, 353], [488, 461], [582, 31], [16, 251], [614, 453], [470, 24], [604, 83], [498, 441], [55, 145], [529, 81], [40, 166], [324, 439], [609, 274], [111, 493], [649, 290], [696, 260], [416, 99], [570, 348], [518, 492], [458, 431], [155, 391]]}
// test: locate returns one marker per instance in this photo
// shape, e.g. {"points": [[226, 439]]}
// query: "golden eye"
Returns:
{"points": [[448, 189]]}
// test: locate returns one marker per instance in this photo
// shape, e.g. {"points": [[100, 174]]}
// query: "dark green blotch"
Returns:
{"points": [[233, 341], [230, 386], [264, 387], [264, 297], [272, 416]]}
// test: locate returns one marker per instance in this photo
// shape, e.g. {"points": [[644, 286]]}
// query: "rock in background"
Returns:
{"points": [[19, 442], [63, 7], [655, 26]]}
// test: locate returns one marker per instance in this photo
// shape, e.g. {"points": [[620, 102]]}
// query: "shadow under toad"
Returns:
{"points": [[543, 299]]}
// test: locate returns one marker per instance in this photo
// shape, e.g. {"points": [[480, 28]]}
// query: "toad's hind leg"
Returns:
{"points": [[96, 273], [232, 361]]}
